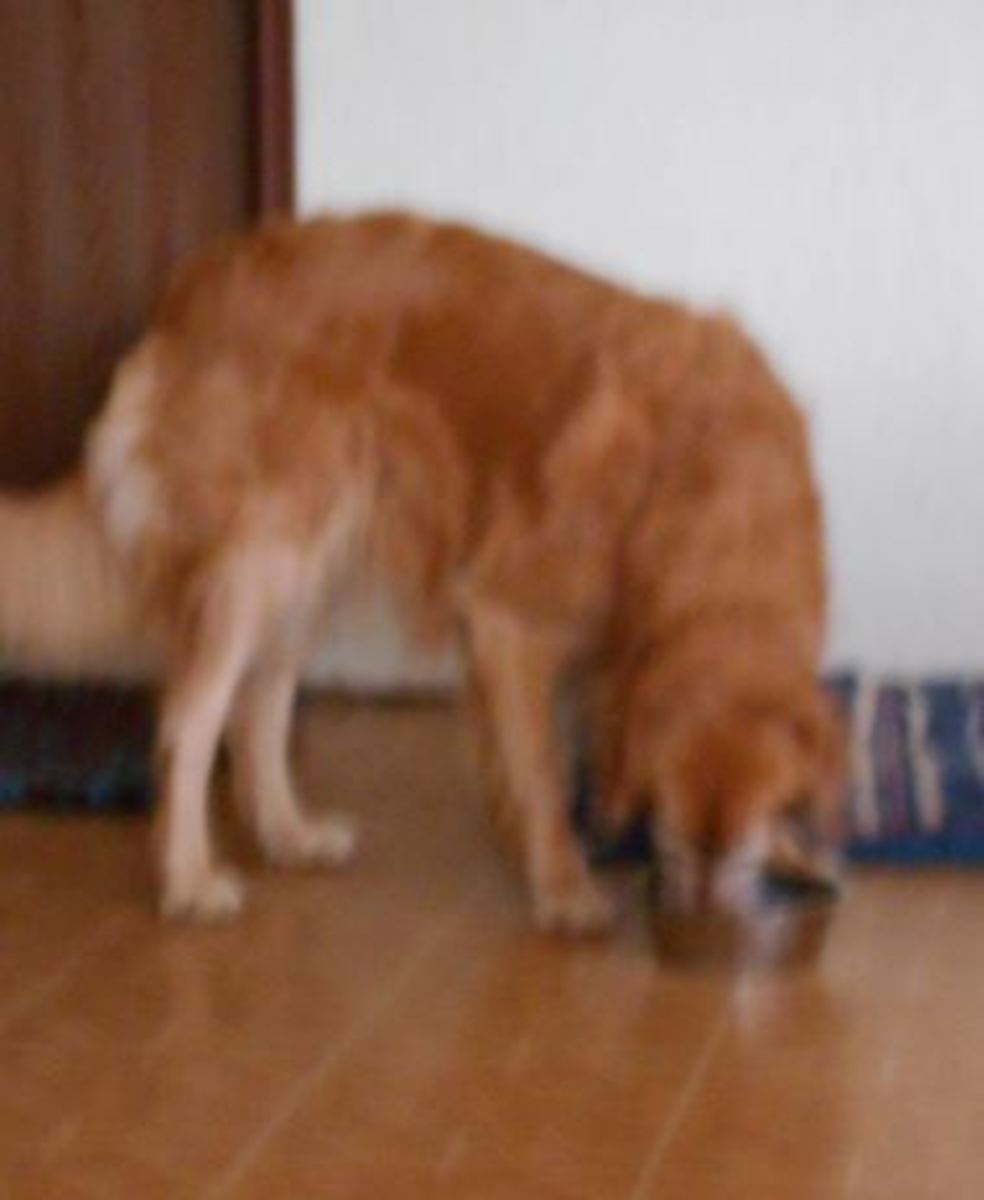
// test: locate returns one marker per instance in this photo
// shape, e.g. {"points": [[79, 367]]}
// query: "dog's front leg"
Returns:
{"points": [[516, 669]]}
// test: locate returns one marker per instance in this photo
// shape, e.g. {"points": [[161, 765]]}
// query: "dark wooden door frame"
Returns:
{"points": [[102, 199], [274, 113]]}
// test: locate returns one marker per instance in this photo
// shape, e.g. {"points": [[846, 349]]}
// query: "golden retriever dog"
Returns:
{"points": [[589, 487]]}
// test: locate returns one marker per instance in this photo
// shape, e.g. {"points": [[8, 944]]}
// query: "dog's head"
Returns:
{"points": [[734, 787]]}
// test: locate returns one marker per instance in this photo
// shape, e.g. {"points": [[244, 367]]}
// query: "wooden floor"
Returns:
{"points": [[397, 1031]]}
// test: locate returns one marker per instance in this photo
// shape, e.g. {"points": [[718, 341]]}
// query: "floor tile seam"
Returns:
{"points": [[680, 1110], [358, 1031], [50, 981]]}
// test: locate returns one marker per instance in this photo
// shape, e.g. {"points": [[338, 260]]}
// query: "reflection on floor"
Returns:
{"points": [[397, 1031]]}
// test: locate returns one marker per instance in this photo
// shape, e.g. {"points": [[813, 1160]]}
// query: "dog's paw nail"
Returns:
{"points": [[579, 910], [334, 840], [215, 895], [327, 841]]}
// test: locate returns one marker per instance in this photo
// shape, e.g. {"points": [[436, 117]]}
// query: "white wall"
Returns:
{"points": [[820, 167]]}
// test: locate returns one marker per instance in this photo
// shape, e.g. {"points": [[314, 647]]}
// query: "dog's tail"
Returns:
{"points": [[67, 608]]}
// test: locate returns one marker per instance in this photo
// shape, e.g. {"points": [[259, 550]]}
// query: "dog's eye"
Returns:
{"points": [[798, 820]]}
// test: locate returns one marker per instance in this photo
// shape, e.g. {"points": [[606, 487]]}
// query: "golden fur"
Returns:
{"points": [[587, 484]]}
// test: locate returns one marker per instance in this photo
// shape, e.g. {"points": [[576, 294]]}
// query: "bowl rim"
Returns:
{"points": [[807, 893]]}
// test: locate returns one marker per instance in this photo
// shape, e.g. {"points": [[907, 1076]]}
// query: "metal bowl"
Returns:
{"points": [[787, 928]]}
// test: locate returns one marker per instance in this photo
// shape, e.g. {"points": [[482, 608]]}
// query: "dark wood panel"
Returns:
{"points": [[127, 138], [275, 105]]}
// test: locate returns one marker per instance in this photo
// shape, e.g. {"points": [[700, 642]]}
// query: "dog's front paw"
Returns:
{"points": [[314, 842], [574, 905], [211, 894]]}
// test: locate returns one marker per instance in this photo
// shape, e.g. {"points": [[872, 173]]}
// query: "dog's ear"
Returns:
{"points": [[819, 731], [623, 733], [622, 785]]}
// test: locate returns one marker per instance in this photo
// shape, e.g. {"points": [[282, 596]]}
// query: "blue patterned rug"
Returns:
{"points": [[917, 794], [75, 748]]}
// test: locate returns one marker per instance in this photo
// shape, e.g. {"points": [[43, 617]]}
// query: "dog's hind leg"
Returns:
{"points": [[235, 601], [259, 736]]}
